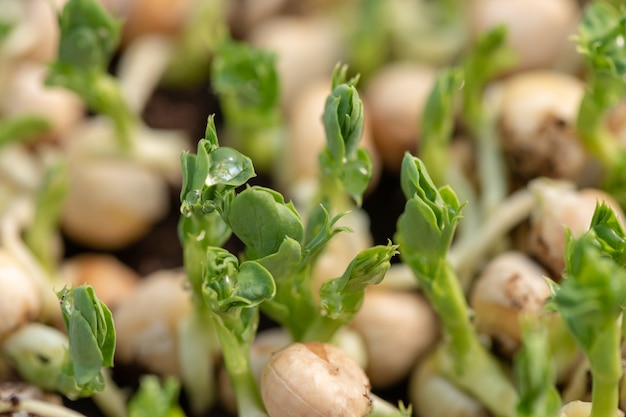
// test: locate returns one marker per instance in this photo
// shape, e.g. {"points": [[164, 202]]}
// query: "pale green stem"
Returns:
{"points": [[606, 372], [197, 345], [237, 362]]}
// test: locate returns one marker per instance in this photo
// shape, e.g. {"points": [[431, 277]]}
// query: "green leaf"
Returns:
{"points": [[320, 229], [89, 35], [601, 36], [609, 232], [228, 284], [426, 227], [591, 296], [262, 220], [246, 77], [91, 335], [342, 297], [209, 180], [343, 122]]}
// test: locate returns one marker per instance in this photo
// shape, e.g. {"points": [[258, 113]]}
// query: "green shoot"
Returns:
{"points": [[246, 81], [345, 168], [89, 38], [91, 336], [424, 232], [70, 363], [155, 398], [591, 300], [210, 178], [226, 294], [600, 40]]}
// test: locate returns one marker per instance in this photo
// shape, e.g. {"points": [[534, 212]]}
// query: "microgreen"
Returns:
{"points": [[70, 363], [345, 167], [246, 81], [210, 178], [280, 250], [89, 38], [600, 40], [591, 299], [424, 233], [91, 336]]}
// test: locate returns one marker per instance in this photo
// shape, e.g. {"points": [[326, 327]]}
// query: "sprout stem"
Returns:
{"points": [[237, 362], [606, 372]]}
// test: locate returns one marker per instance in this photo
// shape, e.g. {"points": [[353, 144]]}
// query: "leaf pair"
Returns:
{"points": [[91, 335]]}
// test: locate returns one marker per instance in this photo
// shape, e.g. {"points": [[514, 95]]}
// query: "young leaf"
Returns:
{"points": [[343, 164], [91, 335], [342, 297], [246, 81], [424, 232], [262, 220], [427, 225], [89, 37], [590, 299]]}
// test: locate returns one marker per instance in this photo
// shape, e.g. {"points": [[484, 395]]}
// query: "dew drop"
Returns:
{"points": [[224, 170]]}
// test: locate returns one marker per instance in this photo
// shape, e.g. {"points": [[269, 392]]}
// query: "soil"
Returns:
{"points": [[160, 248]]}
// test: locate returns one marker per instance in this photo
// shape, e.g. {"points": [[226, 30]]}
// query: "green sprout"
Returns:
{"points": [[246, 81], [591, 300], [600, 40], [89, 38], [424, 232], [345, 167], [70, 363]]}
